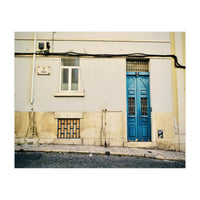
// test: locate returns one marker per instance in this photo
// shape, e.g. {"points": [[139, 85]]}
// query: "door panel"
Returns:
{"points": [[138, 108], [132, 130], [132, 121]]}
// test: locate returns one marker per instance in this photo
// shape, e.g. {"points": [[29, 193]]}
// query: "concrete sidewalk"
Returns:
{"points": [[124, 151]]}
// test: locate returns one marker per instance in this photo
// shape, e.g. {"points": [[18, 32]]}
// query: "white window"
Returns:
{"points": [[70, 79], [70, 75]]}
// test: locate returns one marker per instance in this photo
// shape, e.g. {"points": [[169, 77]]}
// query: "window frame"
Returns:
{"points": [[69, 77]]}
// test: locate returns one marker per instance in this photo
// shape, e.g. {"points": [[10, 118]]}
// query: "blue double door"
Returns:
{"points": [[138, 107]]}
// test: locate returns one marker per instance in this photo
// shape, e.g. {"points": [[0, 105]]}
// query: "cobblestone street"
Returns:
{"points": [[77, 160]]}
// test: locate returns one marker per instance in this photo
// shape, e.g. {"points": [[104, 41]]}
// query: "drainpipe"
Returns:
{"points": [[33, 70], [32, 129], [105, 129], [101, 128]]}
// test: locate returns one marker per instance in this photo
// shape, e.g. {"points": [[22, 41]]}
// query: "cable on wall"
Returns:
{"points": [[131, 55]]}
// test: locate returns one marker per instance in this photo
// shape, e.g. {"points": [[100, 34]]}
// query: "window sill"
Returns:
{"points": [[69, 94]]}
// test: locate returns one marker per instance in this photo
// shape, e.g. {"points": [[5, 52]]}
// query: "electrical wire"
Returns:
{"points": [[131, 55]]}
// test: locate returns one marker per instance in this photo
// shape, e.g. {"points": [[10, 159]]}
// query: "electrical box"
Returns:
{"points": [[43, 46], [43, 70], [160, 133]]}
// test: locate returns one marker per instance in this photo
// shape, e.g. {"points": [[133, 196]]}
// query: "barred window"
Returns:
{"points": [[68, 128], [144, 110], [131, 106], [137, 65]]}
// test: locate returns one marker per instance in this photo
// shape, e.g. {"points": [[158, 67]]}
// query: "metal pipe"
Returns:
{"points": [[101, 131], [33, 70], [105, 128]]}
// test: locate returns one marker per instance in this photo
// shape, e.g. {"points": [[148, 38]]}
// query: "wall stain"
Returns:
{"points": [[32, 128]]}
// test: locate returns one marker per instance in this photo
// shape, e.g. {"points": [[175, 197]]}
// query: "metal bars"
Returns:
{"points": [[144, 106], [68, 128], [137, 65], [131, 106]]}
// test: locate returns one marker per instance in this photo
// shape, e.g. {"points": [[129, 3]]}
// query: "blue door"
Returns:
{"points": [[138, 106]]}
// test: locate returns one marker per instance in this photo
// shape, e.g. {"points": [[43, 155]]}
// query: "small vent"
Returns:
{"points": [[137, 65]]}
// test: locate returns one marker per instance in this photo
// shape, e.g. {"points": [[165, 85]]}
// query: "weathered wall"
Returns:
{"points": [[164, 121], [104, 83], [162, 117], [97, 128], [21, 124]]}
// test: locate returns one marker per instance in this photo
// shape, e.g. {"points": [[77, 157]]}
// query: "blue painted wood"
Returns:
{"points": [[138, 123]]}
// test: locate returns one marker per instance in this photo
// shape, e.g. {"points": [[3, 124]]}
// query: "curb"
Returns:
{"points": [[144, 155]]}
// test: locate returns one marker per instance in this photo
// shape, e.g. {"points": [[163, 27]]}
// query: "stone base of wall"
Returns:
{"points": [[166, 144], [180, 142], [97, 129], [116, 142], [91, 142], [81, 141], [176, 143], [140, 144], [20, 141], [45, 141], [67, 141], [163, 144]]}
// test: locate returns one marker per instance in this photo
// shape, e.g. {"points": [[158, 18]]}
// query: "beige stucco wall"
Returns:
{"points": [[108, 36], [104, 81], [161, 85], [21, 124], [94, 42], [179, 48], [104, 84], [46, 124], [22, 83], [97, 128], [165, 121]]}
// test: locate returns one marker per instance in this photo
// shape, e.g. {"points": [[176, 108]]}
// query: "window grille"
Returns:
{"points": [[68, 128], [131, 106], [144, 106], [137, 65]]}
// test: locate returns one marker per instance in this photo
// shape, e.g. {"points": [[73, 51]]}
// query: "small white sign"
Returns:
{"points": [[43, 70]]}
